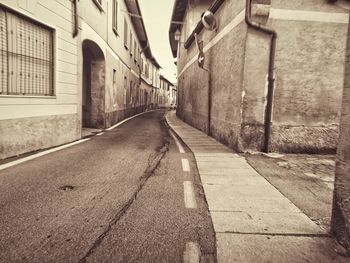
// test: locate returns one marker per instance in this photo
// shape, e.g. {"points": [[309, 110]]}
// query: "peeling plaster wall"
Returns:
{"points": [[30, 134], [225, 61], [29, 123], [308, 87], [308, 69], [341, 200]]}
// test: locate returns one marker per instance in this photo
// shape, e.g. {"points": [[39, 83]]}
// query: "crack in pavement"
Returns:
{"points": [[153, 163]]}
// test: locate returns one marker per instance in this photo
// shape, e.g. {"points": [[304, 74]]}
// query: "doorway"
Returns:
{"points": [[93, 101]]}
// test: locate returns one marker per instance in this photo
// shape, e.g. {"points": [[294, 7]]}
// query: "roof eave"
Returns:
{"points": [[177, 17]]}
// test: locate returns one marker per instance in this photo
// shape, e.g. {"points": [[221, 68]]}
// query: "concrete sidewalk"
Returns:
{"points": [[253, 221]]}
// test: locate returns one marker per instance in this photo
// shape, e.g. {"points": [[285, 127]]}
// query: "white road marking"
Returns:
{"points": [[31, 157], [178, 144], [185, 165], [121, 122], [189, 197], [192, 253]]}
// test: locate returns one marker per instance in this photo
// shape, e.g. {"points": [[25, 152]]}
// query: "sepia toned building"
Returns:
{"points": [[272, 73], [341, 204], [67, 65], [166, 94]]}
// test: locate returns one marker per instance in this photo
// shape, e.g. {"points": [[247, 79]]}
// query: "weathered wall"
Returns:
{"points": [[33, 133], [20, 114], [119, 84], [308, 69], [309, 63], [341, 199], [123, 94], [255, 90], [224, 54]]}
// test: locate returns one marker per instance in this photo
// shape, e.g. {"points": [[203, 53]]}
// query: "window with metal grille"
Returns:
{"points": [[130, 42], [26, 56], [135, 51], [115, 16], [125, 34]]}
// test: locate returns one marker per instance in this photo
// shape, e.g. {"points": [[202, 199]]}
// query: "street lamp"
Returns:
{"points": [[177, 35]]}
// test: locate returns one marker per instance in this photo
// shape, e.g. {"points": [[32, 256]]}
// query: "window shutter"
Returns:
{"points": [[3, 54], [26, 56]]}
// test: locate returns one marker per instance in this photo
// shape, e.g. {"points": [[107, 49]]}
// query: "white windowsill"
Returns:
{"points": [[27, 96]]}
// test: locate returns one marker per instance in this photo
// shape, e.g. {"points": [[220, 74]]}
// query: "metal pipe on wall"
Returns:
{"points": [[270, 78]]}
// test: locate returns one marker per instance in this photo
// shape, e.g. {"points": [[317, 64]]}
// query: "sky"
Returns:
{"points": [[156, 17]]}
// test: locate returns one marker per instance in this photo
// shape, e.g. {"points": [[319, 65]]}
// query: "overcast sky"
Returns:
{"points": [[156, 16]]}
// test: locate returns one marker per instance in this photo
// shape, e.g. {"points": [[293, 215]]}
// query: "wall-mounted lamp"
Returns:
{"points": [[209, 20], [177, 35]]}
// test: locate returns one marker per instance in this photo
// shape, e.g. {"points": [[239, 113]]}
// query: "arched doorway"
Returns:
{"points": [[93, 101]]}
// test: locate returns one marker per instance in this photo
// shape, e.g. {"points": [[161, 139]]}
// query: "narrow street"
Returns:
{"points": [[175, 131], [118, 197]]}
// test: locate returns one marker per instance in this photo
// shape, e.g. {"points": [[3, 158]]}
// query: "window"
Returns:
{"points": [[115, 88], [125, 34], [131, 93], [26, 56], [135, 51], [146, 70], [124, 94], [130, 43], [115, 16], [139, 55]]}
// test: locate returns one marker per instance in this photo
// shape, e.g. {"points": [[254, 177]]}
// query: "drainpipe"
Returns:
{"points": [[270, 77], [75, 16]]}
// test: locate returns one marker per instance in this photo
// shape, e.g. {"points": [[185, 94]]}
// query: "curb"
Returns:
{"points": [[63, 146]]}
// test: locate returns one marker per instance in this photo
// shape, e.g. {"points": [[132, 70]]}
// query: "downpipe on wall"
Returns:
{"points": [[75, 18], [270, 78]]}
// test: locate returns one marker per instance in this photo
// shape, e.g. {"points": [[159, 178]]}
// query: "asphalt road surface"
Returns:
{"points": [[119, 197]]}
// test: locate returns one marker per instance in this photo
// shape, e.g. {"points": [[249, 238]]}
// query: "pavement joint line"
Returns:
{"points": [[185, 165], [99, 134], [36, 155], [125, 120], [189, 196], [178, 144], [192, 253]]}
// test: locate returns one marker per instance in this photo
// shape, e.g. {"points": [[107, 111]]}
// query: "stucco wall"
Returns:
{"points": [[255, 90], [309, 66], [224, 58], [33, 133], [123, 94], [341, 201], [20, 114]]}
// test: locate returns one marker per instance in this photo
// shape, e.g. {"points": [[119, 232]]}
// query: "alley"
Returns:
{"points": [[117, 197], [190, 131]]}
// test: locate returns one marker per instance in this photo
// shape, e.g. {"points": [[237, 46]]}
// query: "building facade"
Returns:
{"points": [[341, 204], [66, 65], [165, 98], [271, 79]]}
